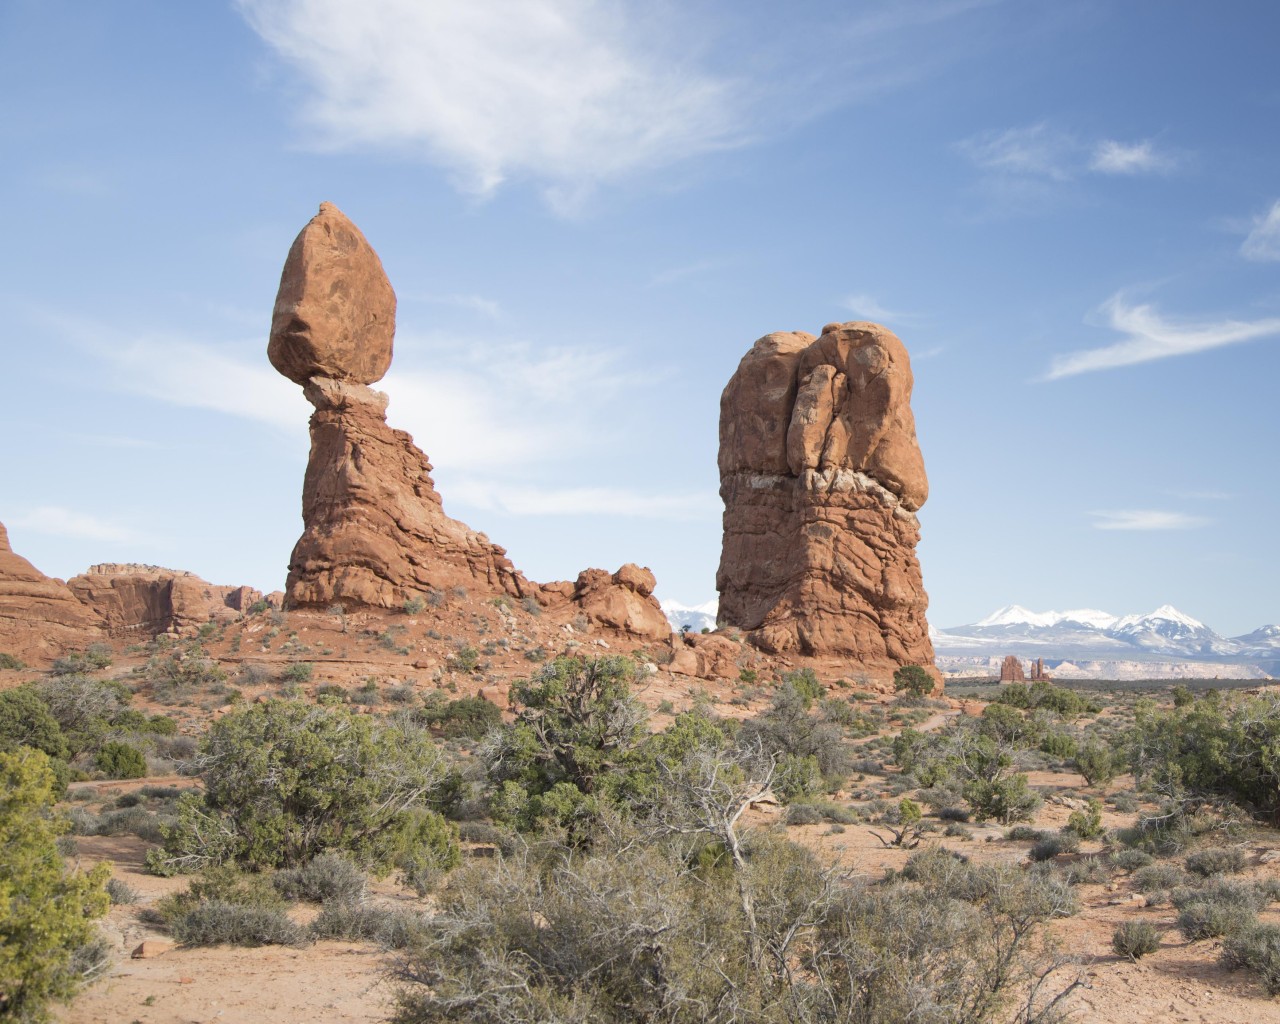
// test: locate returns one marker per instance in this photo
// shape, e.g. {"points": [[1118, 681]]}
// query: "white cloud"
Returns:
{"points": [[1150, 336], [56, 521], [1036, 150], [1112, 157], [1263, 242], [1042, 152], [869, 309], [487, 308], [1145, 519], [581, 501], [567, 91]]}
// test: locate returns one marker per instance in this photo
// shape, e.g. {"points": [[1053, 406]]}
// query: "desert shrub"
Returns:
{"points": [[390, 929], [574, 744], [327, 878], [1006, 724], [118, 760], [1096, 762], [1125, 803], [216, 922], [1024, 834], [1050, 846], [464, 659], [914, 680], [1216, 860], [1059, 744], [1210, 920], [803, 814], [1091, 870], [1213, 747], [1006, 799], [414, 605], [11, 661], [46, 909], [1087, 821], [84, 708], [471, 717], [331, 693], [1130, 860], [1257, 949], [953, 814], [298, 672], [25, 721], [806, 684], [428, 849], [1134, 940], [285, 781], [1155, 877], [175, 674], [1222, 891], [121, 893], [789, 732], [92, 659]]}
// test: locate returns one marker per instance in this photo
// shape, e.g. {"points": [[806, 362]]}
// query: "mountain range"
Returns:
{"points": [[1080, 641]]}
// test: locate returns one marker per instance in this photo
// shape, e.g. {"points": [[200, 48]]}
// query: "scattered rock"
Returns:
{"points": [[821, 477], [150, 949]]}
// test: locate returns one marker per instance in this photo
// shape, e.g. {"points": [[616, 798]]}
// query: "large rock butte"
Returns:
{"points": [[130, 600], [821, 477], [375, 533]]}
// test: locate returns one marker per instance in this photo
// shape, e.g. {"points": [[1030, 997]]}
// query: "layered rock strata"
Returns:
{"points": [[129, 599], [821, 478], [39, 616], [1011, 670]]}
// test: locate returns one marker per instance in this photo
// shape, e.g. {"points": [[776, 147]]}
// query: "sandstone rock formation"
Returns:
{"points": [[335, 313], [1011, 670], [131, 599], [375, 532], [821, 478], [1038, 671], [39, 616]]}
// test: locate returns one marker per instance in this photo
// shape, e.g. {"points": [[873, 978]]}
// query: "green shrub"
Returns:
{"points": [[298, 672], [1134, 940], [414, 605], [1087, 822], [285, 781], [1217, 860], [803, 814], [1059, 744], [914, 680], [806, 684], [118, 760], [429, 848], [471, 717], [46, 910], [9, 661], [1257, 949], [328, 878], [1024, 834], [1096, 762], [1130, 860], [1155, 877], [1050, 846], [121, 893]]}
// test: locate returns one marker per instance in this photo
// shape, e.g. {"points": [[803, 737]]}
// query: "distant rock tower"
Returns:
{"points": [[1011, 670], [1038, 672], [821, 478]]}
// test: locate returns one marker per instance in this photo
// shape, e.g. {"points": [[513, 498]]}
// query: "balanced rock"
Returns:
{"points": [[39, 616], [335, 313], [1011, 670], [821, 477], [374, 529]]}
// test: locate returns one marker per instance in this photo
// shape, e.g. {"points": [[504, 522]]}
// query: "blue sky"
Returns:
{"points": [[1069, 211]]}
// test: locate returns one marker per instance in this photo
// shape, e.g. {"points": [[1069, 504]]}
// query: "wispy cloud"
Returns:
{"points": [[564, 91], [1145, 519], [1031, 167], [1263, 241], [1150, 336], [1112, 157], [698, 268], [869, 309], [569, 93], [57, 521], [578, 501], [1036, 150]]}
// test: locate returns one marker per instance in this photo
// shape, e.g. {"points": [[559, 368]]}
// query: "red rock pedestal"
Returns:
{"points": [[821, 477]]}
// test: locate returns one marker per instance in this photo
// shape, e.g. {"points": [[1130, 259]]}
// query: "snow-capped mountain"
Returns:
{"points": [[1088, 632], [697, 617]]}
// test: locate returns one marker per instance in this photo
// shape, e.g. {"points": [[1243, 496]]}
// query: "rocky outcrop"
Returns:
{"points": [[821, 477], [39, 616], [1038, 671], [375, 533], [131, 599], [1011, 670]]}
